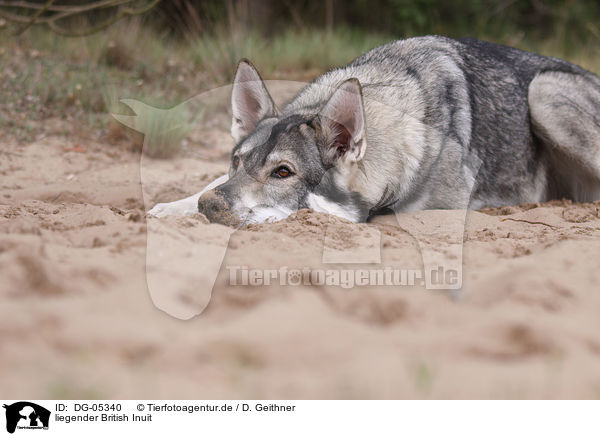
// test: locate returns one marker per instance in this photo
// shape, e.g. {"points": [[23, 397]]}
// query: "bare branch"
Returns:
{"points": [[60, 12], [121, 14], [69, 11], [62, 8], [35, 17]]}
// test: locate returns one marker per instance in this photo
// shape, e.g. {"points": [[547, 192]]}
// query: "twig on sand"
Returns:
{"points": [[529, 222]]}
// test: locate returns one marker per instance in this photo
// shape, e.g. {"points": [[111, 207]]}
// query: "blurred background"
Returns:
{"points": [[75, 59]]}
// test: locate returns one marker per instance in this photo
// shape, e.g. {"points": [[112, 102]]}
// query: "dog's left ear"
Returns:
{"points": [[343, 123]]}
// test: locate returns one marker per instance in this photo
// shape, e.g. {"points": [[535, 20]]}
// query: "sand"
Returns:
{"points": [[77, 319]]}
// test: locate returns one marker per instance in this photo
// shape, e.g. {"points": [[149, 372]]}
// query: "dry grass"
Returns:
{"points": [[43, 75]]}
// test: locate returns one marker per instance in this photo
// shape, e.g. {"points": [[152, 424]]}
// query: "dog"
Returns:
{"points": [[422, 123]]}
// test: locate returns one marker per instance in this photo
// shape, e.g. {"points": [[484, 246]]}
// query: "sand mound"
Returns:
{"points": [[76, 306]]}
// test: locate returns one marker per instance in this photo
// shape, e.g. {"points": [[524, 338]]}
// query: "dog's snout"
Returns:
{"points": [[213, 205]]}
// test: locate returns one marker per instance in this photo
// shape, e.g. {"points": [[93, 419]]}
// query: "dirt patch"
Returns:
{"points": [[73, 238]]}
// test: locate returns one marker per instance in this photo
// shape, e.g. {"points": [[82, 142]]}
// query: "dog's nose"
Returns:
{"points": [[213, 206]]}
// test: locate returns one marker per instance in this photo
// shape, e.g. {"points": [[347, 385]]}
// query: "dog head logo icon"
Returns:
{"points": [[26, 415]]}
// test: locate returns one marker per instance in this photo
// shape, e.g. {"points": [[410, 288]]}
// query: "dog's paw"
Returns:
{"points": [[176, 208]]}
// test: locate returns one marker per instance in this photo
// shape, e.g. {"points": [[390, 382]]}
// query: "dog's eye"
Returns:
{"points": [[281, 172], [236, 162]]}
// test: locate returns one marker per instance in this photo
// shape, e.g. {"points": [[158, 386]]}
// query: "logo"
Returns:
{"points": [[26, 415]]}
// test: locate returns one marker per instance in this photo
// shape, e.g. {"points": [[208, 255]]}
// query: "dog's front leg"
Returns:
{"points": [[186, 206]]}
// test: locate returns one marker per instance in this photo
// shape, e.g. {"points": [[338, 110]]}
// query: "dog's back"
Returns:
{"points": [[431, 101], [423, 123]]}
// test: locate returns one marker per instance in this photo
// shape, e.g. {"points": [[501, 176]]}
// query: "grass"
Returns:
{"points": [[292, 52], [43, 75], [424, 377]]}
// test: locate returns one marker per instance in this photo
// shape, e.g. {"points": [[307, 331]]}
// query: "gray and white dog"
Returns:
{"points": [[422, 123]]}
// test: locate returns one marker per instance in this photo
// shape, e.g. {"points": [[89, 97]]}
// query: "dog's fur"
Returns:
{"points": [[421, 123]]}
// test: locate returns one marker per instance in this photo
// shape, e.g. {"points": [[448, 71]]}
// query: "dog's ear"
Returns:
{"points": [[250, 101], [343, 124]]}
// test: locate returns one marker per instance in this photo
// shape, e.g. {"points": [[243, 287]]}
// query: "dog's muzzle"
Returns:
{"points": [[215, 207]]}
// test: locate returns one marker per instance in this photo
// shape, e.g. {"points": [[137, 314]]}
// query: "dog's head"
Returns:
{"points": [[285, 162]]}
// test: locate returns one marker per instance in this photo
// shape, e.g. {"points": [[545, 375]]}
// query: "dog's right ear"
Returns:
{"points": [[250, 101], [342, 123]]}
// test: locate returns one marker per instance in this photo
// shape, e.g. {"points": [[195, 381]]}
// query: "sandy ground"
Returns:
{"points": [[77, 319]]}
